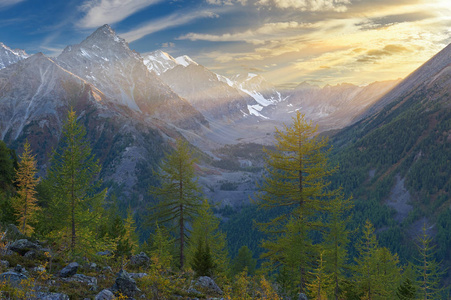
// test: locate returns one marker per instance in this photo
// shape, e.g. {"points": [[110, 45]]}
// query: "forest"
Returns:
{"points": [[310, 239]]}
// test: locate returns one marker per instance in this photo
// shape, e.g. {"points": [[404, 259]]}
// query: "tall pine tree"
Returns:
{"points": [[296, 181], [178, 196], [25, 203], [76, 205]]}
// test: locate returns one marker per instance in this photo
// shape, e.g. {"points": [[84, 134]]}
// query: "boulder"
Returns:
{"points": [[302, 296], [137, 275], [12, 233], [4, 263], [105, 295], [125, 284], [139, 260], [23, 246], [88, 280], [69, 270], [51, 296], [208, 285], [105, 253], [14, 278]]}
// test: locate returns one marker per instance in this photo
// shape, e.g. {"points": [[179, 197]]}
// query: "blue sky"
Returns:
{"points": [[286, 41]]}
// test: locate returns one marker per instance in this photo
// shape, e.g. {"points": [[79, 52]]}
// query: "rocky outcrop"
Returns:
{"points": [[208, 285], [139, 260], [105, 295], [125, 284], [69, 270], [23, 246], [12, 277]]}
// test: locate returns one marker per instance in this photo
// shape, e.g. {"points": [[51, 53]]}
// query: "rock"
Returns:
{"points": [[125, 284], [208, 285], [14, 278], [19, 269], [139, 260], [31, 254], [137, 275], [51, 296], [105, 295], [107, 269], [88, 280], [105, 253], [69, 270], [193, 292], [12, 233], [302, 296], [38, 269], [23, 246], [4, 263]]}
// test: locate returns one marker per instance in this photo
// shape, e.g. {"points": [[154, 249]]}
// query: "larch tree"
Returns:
{"points": [[25, 203], [296, 179], [205, 231], [75, 203], [178, 196]]}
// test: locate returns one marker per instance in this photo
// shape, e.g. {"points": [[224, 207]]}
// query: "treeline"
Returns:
{"points": [[307, 245]]}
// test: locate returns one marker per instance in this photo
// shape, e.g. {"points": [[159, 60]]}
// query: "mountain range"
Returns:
{"points": [[134, 105]]}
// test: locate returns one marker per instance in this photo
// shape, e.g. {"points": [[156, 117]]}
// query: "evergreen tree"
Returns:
{"points": [[161, 246], [25, 203], [179, 194], [336, 241], [244, 261], [75, 205], [296, 179], [6, 184], [205, 229], [202, 262], [428, 269], [407, 290], [321, 281], [130, 230]]}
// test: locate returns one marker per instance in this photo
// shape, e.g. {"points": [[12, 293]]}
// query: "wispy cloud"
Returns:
{"points": [[170, 21], [6, 3], [260, 35], [308, 5], [99, 12]]}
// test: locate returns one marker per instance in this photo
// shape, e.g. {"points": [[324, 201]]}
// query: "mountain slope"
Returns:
{"points": [[400, 157], [10, 56], [106, 61]]}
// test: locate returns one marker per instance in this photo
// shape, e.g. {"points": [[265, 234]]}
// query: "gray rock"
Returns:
{"points": [[4, 263], [38, 269], [14, 278], [69, 270], [51, 296], [12, 233], [194, 292], [137, 275], [105, 253], [125, 284], [105, 295], [23, 246], [139, 260], [302, 296], [31, 254], [107, 269], [209, 285], [88, 280]]}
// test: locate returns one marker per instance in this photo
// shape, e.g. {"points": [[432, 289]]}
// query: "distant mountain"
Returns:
{"points": [[10, 56], [397, 161], [105, 60], [332, 107]]}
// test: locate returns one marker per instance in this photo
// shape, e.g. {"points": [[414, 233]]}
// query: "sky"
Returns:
{"points": [[285, 41]]}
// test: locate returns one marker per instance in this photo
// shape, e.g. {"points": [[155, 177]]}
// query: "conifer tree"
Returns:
{"points": [[179, 194], [25, 203], [320, 281], [130, 230], [202, 262], [428, 269], [407, 290], [205, 229], [161, 245], [296, 179], [75, 205], [244, 260], [336, 241]]}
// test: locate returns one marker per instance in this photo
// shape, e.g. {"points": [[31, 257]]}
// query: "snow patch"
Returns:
{"points": [[255, 110], [185, 61]]}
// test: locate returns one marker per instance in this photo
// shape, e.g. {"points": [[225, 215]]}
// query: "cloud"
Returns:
{"points": [[173, 20], [99, 12], [267, 32], [51, 51], [6, 3], [377, 54], [226, 2], [308, 5], [168, 45]]}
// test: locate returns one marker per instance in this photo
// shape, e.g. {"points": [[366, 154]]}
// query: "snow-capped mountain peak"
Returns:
{"points": [[10, 56], [185, 61]]}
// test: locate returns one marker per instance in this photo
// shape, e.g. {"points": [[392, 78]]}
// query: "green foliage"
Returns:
{"points": [[202, 262], [407, 290], [244, 262], [178, 195], [75, 208]]}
